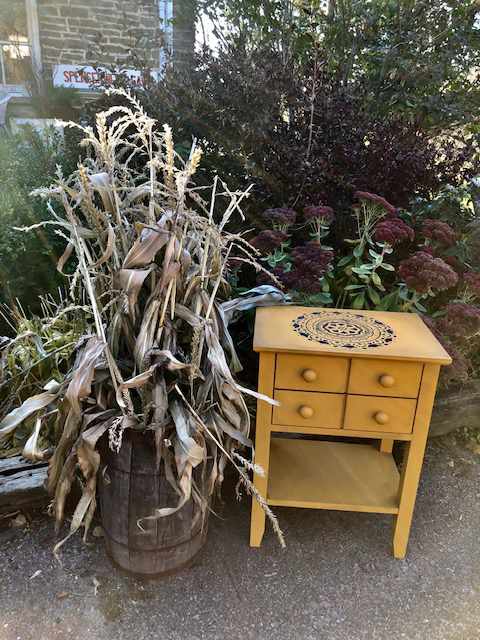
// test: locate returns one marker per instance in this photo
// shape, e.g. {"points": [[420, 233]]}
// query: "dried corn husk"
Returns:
{"points": [[154, 258]]}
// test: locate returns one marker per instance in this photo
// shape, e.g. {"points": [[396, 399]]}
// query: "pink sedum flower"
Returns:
{"points": [[280, 217], [269, 240], [393, 231], [376, 199], [422, 273], [439, 231], [320, 212], [310, 263]]}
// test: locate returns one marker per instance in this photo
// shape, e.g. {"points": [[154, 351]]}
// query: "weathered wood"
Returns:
{"points": [[17, 463], [21, 488], [456, 408], [131, 487]]}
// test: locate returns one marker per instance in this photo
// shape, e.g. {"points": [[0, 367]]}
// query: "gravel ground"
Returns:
{"points": [[336, 579]]}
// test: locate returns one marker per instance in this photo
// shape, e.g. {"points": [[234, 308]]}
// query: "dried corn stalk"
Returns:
{"points": [[153, 256]]}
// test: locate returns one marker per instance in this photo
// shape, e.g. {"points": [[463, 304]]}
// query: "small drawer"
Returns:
{"points": [[388, 415], [385, 378], [297, 408], [311, 373]]}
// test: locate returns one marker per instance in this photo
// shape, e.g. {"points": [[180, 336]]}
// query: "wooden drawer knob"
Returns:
{"points": [[305, 411], [309, 375], [387, 381], [381, 417]]}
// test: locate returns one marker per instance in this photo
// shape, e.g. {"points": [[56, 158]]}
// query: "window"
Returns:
{"points": [[18, 31]]}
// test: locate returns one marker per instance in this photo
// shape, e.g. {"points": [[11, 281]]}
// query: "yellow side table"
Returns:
{"points": [[348, 374]]}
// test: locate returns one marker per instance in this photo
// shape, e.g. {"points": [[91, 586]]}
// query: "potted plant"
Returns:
{"points": [[150, 404]]}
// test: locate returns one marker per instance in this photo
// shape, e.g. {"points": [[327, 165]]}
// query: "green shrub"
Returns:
{"points": [[27, 261]]}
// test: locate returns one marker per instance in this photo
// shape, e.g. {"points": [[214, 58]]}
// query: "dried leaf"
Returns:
{"points": [[145, 249], [80, 385], [107, 254], [31, 405], [31, 450], [62, 488], [131, 281], [188, 450], [89, 462], [227, 428], [65, 257], [101, 183]]}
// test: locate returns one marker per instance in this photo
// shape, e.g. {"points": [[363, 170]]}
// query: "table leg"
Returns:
{"points": [[262, 445], [413, 460], [262, 458], [386, 445], [412, 467]]}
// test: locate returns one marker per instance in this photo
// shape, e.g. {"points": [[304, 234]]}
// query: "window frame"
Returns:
{"points": [[165, 13], [33, 35]]}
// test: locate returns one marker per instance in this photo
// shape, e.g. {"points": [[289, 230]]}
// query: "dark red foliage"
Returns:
{"points": [[393, 231], [439, 231], [321, 212], [310, 263], [461, 321], [282, 216], [269, 240], [422, 272], [235, 101], [379, 200]]}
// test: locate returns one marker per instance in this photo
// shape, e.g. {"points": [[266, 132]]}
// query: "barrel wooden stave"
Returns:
{"points": [[131, 487]]}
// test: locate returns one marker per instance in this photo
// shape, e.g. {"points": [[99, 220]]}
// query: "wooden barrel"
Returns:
{"points": [[131, 486]]}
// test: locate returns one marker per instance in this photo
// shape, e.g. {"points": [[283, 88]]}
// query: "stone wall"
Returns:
{"points": [[108, 32]]}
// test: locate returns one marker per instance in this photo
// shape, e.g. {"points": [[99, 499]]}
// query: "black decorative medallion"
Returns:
{"points": [[344, 329]]}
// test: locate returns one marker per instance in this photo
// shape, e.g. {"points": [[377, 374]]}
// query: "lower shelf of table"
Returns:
{"points": [[332, 475]]}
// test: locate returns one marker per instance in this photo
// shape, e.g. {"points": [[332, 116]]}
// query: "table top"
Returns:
{"points": [[341, 332]]}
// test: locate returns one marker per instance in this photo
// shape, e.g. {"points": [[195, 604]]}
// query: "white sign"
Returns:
{"points": [[78, 76]]}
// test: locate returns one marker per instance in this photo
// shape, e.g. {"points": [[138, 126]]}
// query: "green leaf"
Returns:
{"points": [[387, 267], [325, 298], [359, 301], [387, 301], [373, 295], [418, 305], [363, 269], [343, 261], [358, 251], [325, 285], [376, 279]]}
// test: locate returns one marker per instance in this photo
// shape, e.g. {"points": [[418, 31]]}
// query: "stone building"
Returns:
{"points": [[81, 43]]}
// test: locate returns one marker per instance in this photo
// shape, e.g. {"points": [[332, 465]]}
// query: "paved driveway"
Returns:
{"points": [[336, 579]]}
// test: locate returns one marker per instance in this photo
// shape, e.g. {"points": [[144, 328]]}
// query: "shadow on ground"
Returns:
{"points": [[336, 579]]}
